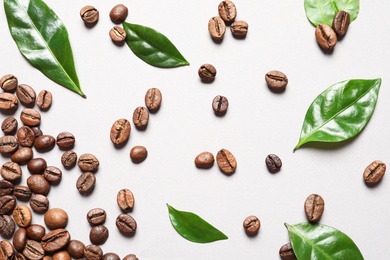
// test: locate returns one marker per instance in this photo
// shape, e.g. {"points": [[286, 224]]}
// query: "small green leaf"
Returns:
{"points": [[320, 11], [350, 6], [43, 40], [192, 227], [153, 47], [317, 241], [340, 112]]}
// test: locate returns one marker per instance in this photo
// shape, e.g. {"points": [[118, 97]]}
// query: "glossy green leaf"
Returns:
{"points": [[320, 11], [153, 47], [317, 241], [43, 40], [350, 6], [340, 112], [192, 227]]}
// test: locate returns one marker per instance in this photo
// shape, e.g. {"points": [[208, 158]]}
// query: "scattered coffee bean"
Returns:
{"points": [[65, 140], [30, 117], [37, 131], [23, 155], [33, 250], [286, 252], [76, 249], [26, 94], [8, 82], [227, 11], [26, 136], [22, 192], [8, 101], [217, 28], [22, 216], [93, 252], [7, 251], [314, 207], [273, 163], [56, 218], [118, 13], [11, 171], [52, 174], [88, 162], [276, 81], [120, 131], [239, 29], [251, 225], [69, 159], [9, 125], [6, 187], [39, 203], [125, 200], [207, 73], [374, 172], [36, 232], [226, 161], [220, 105], [96, 216], [7, 204], [55, 240], [138, 154], [130, 257], [61, 255], [44, 100], [341, 22], [153, 99], [37, 165], [204, 160], [86, 182], [110, 256], [98, 235], [38, 184], [8, 144], [141, 118], [126, 224], [89, 14], [20, 239], [117, 34], [44, 143], [325, 36], [7, 226]]}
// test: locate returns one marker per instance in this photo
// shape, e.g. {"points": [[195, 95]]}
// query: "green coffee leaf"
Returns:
{"points": [[350, 6], [320, 11]]}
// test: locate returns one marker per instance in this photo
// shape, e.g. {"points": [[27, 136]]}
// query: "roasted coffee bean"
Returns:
{"points": [[341, 22], [20, 239], [251, 225], [120, 131], [23, 155], [89, 14], [204, 160], [325, 36], [6, 187], [130, 257], [93, 252], [88, 162], [30, 117], [220, 105], [8, 82], [239, 29], [96, 216], [314, 207], [8, 101], [141, 117], [56, 218], [7, 226], [7, 204], [117, 34], [36, 232], [26, 94], [110, 256], [55, 240], [125, 200], [11, 171], [217, 28], [37, 165], [26, 136], [153, 99], [98, 235], [65, 140], [38, 184], [44, 99], [69, 159], [138, 154], [22, 192], [227, 11], [226, 161], [22, 216], [33, 250], [273, 163], [39, 203], [44, 143], [61, 255], [47, 257], [207, 73], [9, 125], [276, 81], [37, 131], [286, 252], [76, 249], [52, 174], [118, 13], [126, 224], [8, 144], [374, 172], [7, 251], [19, 256], [86, 182]]}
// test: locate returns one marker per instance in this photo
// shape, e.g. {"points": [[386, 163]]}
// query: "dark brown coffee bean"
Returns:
{"points": [[286, 252], [38, 184], [76, 249], [7, 251], [7, 204], [22, 216], [88, 162], [314, 207], [120, 131], [36, 232], [118, 13], [33, 250], [126, 224], [37, 165], [61, 255], [52, 174], [325, 36], [273, 163], [96, 216], [8, 144], [86, 182], [93, 252], [204, 160], [65, 140], [44, 99], [125, 200], [239, 29], [153, 99], [217, 28], [44, 143], [207, 73], [138, 154], [11, 171], [22, 192], [130, 257], [276, 81], [56, 218], [226, 161], [26, 94], [374, 172], [9, 125], [25, 136], [98, 235], [23, 155], [7, 226], [110, 256], [6, 187], [227, 11], [341, 22], [251, 225], [89, 14], [20, 239], [55, 240], [141, 117], [69, 159], [220, 105], [30, 117], [8, 82], [117, 34], [8, 101], [37, 131], [39, 203]]}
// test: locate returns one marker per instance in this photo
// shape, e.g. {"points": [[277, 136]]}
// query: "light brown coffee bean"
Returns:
{"points": [[374, 172], [117, 34], [56, 218], [153, 99], [276, 81], [226, 161], [8, 101], [120, 131], [314, 207], [326, 37], [69, 159], [26, 136], [125, 200], [26, 94], [89, 14], [44, 100], [7, 251], [341, 22], [204, 160], [61, 255], [118, 13], [23, 155], [207, 73], [239, 29], [9, 82], [11, 171], [9, 125], [251, 225], [138, 154], [217, 28], [22, 216], [88, 162], [141, 118], [8, 144], [30, 117], [227, 11]]}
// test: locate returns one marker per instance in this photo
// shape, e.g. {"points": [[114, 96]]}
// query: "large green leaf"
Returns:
{"points": [[192, 227], [320, 11], [153, 47], [350, 6], [317, 241], [43, 40], [340, 112]]}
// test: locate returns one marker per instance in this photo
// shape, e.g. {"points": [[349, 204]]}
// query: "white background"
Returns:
{"points": [[257, 123]]}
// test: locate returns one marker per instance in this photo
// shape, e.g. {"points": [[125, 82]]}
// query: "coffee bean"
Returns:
{"points": [[52, 174], [126, 224], [8, 101], [276, 81], [36, 232], [7, 251], [39, 203], [26, 136], [273, 163], [88, 162], [6, 187], [220, 105], [96, 216], [204, 160], [89, 14], [20, 239], [26, 94], [98, 235], [217, 28], [138, 154], [251, 225], [22, 192], [22, 216], [33, 250], [61, 255], [23, 155], [7, 204], [130, 257], [125, 200], [7, 226], [239, 29], [37, 165], [226, 161], [8, 144], [118, 13], [56, 218], [9, 125], [11, 171], [207, 73], [325, 36], [38, 184], [153, 99], [69, 159], [9, 82], [65, 140], [120, 131], [37, 131], [227, 11], [286, 252], [374, 172], [76, 249], [341, 22], [44, 143], [93, 252], [30, 117], [110, 256], [86, 182], [44, 100], [314, 207], [19, 256], [117, 34], [141, 117], [55, 240]]}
